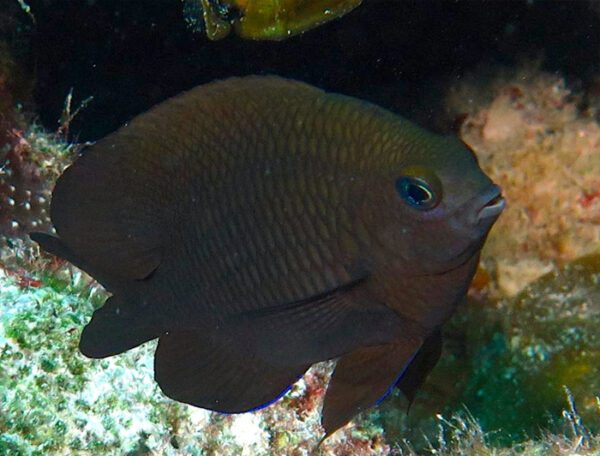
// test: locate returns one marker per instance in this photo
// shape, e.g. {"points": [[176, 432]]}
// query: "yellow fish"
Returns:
{"points": [[266, 19]]}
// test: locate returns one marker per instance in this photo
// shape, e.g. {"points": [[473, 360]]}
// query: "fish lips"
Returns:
{"points": [[491, 203], [474, 219], [472, 224]]}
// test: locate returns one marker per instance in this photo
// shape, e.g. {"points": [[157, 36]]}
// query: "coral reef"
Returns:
{"points": [[532, 136], [548, 339], [28, 165], [530, 325], [529, 329], [544, 338], [510, 368], [55, 401], [25, 175], [462, 435]]}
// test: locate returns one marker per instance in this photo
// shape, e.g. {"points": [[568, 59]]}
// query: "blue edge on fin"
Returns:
{"points": [[286, 390], [400, 375], [266, 404]]}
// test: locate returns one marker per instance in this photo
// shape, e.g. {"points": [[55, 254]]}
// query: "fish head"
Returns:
{"points": [[431, 207]]}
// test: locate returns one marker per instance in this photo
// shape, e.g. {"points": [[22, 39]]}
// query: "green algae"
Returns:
{"points": [[508, 370], [550, 340], [501, 381], [506, 365], [506, 362], [52, 400]]}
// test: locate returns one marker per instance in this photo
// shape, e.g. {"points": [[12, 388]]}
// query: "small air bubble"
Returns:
{"points": [[10, 201], [11, 188], [14, 224], [41, 199], [27, 206], [34, 224], [28, 193]]}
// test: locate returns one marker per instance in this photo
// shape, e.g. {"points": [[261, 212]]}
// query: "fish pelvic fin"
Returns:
{"points": [[116, 327], [208, 370], [418, 370], [363, 378]]}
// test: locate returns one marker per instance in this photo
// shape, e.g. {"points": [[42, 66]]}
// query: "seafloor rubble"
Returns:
{"points": [[520, 340], [522, 337]]}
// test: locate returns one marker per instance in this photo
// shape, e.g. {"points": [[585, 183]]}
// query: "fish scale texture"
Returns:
{"points": [[255, 226], [256, 211]]}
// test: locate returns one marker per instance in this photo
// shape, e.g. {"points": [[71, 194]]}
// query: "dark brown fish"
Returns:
{"points": [[259, 225]]}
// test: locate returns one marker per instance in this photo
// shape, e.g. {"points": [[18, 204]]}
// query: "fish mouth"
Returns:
{"points": [[493, 204]]}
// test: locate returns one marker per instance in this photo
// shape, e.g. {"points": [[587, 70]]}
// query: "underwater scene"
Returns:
{"points": [[299, 227]]}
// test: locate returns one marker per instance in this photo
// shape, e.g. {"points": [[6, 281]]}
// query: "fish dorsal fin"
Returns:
{"points": [[318, 328]]}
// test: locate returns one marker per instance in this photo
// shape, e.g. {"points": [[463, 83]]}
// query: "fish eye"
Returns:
{"points": [[420, 190]]}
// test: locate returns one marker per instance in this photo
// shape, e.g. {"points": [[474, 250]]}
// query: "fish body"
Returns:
{"points": [[259, 225], [267, 19]]}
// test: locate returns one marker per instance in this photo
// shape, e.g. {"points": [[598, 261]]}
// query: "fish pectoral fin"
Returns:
{"points": [[418, 370], [319, 329], [207, 370], [363, 378], [115, 328]]}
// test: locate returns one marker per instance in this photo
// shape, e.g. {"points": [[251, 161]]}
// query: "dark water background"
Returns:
{"points": [[132, 54]]}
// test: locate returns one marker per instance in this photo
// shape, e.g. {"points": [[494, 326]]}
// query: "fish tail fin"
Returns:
{"points": [[116, 327], [54, 246], [208, 370], [363, 378]]}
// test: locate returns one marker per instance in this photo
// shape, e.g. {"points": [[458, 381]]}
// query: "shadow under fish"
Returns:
{"points": [[259, 225]]}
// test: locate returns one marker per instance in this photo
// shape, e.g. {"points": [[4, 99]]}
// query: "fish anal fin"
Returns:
{"points": [[418, 370], [116, 327], [316, 330], [364, 377], [206, 370]]}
